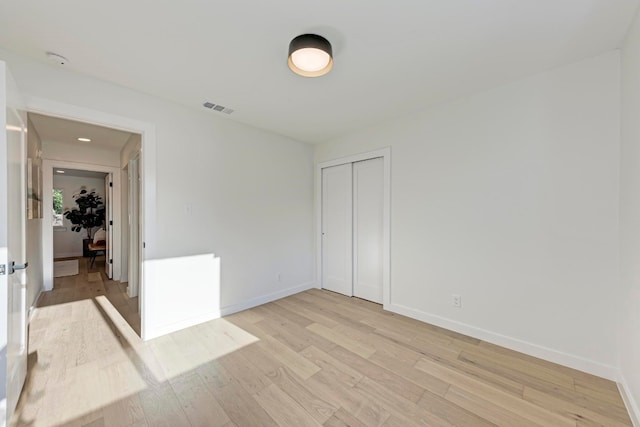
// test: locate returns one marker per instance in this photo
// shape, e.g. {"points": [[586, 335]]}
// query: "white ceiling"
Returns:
{"points": [[391, 57], [68, 131]]}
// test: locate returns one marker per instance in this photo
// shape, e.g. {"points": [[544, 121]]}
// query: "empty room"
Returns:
{"points": [[320, 214]]}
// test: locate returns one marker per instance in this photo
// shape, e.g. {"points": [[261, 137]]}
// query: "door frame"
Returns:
{"points": [[148, 168], [385, 153], [133, 224], [110, 187], [48, 167]]}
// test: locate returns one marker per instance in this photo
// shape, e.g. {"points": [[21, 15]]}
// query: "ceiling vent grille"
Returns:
{"points": [[216, 107]]}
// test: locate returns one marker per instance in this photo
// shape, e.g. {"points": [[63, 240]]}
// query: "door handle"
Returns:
{"points": [[15, 267]]}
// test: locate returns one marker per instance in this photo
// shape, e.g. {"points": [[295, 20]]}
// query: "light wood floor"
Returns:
{"points": [[312, 359]]}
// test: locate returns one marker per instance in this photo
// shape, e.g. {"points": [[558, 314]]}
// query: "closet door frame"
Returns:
{"points": [[385, 153]]}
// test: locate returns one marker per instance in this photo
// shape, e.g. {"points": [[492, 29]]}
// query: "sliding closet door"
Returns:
{"points": [[337, 229], [368, 208]]}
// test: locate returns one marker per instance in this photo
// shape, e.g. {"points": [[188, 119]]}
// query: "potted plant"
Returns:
{"points": [[89, 214]]}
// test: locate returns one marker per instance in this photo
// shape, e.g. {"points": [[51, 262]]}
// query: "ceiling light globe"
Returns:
{"points": [[310, 59]]}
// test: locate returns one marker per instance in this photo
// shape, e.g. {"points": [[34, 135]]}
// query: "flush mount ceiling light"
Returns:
{"points": [[84, 139], [310, 55]]}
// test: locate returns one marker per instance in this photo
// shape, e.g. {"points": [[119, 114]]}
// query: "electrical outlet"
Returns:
{"points": [[456, 300]]}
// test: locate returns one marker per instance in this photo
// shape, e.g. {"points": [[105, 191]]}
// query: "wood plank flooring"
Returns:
{"points": [[312, 359]]}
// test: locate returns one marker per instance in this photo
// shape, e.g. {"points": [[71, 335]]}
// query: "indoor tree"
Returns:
{"points": [[89, 214]]}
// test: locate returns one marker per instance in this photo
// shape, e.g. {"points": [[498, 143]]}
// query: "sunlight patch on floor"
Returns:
{"points": [[82, 361], [87, 363], [186, 350]]}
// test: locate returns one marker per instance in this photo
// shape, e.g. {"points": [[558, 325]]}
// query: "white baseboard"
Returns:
{"points": [[551, 355], [254, 302], [629, 401], [224, 311], [173, 327], [67, 255]]}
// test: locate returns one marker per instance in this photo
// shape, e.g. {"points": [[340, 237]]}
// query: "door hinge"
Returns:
{"points": [[110, 261], [144, 245], [111, 184], [110, 222], [3, 269]]}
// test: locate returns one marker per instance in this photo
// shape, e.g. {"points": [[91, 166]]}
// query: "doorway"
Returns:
{"points": [[72, 239], [353, 199], [82, 160], [148, 166], [49, 169]]}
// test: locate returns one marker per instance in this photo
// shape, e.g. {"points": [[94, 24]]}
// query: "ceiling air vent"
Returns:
{"points": [[216, 107]]}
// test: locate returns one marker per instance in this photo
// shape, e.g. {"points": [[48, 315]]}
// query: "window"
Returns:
{"points": [[57, 208]]}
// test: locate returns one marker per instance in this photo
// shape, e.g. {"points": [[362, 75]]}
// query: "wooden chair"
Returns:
{"points": [[100, 246]]}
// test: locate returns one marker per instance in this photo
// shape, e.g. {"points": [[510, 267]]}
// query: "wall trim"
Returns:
{"points": [[183, 324], [535, 350], [225, 311], [69, 255], [629, 401], [254, 302]]}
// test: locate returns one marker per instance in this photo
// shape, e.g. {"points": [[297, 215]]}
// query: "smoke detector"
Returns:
{"points": [[57, 59]]}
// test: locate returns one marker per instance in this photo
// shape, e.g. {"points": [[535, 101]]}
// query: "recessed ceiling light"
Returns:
{"points": [[84, 139], [59, 171]]}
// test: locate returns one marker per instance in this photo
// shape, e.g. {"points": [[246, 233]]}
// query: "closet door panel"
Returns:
{"points": [[368, 208], [337, 229]]}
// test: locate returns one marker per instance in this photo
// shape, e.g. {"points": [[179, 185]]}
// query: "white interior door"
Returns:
{"points": [[368, 213], [337, 229], [108, 196], [13, 306]]}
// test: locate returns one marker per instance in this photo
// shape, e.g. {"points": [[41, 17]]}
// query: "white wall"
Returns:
{"points": [[629, 337], [68, 243], [250, 192], [34, 227], [509, 198]]}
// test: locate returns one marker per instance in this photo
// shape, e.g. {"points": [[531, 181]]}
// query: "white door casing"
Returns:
{"points": [[368, 209], [48, 166], [147, 166], [108, 196], [337, 231], [133, 223], [13, 309]]}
